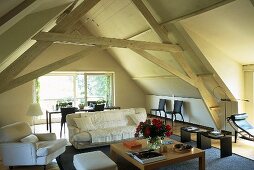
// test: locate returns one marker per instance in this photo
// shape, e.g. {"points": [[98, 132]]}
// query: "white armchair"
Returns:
{"points": [[19, 147]]}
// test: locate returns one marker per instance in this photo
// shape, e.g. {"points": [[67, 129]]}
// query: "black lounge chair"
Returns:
{"points": [[241, 126]]}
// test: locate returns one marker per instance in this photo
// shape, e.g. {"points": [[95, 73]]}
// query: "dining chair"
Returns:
{"points": [[176, 110], [64, 112], [99, 107], [161, 107]]}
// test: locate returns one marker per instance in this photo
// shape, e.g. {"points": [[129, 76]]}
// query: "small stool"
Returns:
{"points": [[96, 160]]}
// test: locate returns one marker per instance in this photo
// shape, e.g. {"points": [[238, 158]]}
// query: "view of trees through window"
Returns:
{"points": [[74, 87]]}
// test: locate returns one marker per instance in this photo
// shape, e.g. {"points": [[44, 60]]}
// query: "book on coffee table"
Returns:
{"points": [[132, 144], [191, 128], [146, 156], [215, 134]]}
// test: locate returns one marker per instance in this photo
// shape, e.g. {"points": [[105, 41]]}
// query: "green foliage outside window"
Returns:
{"points": [[37, 90]]}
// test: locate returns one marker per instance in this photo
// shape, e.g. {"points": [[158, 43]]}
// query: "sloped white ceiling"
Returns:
{"points": [[123, 20], [166, 10], [6, 7], [229, 28]]}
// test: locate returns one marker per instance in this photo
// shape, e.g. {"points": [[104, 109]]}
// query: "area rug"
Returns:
{"points": [[212, 156]]}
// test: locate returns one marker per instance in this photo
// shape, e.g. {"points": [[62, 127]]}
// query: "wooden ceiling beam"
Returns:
{"points": [[192, 78], [164, 66], [51, 67], [221, 3], [27, 57], [14, 15], [162, 32], [109, 42]]}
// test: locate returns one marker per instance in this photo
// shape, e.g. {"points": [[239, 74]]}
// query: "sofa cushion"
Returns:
{"points": [[70, 119], [107, 119], [84, 123], [14, 132], [139, 117], [45, 148], [112, 134], [30, 139], [82, 137]]}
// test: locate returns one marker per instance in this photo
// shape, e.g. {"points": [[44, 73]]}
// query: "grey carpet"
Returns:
{"points": [[213, 160]]}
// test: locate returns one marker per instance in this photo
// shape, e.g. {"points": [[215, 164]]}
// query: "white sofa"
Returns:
{"points": [[90, 129], [19, 147]]}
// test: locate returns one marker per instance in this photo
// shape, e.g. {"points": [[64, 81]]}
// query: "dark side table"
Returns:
{"points": [[186, 132], [225, 142]]}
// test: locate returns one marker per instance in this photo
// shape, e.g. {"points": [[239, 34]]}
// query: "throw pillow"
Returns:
{"points": [[84, 123], [139, 117], [30, 139]]}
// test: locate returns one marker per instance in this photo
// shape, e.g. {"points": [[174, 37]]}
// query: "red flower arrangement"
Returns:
{"points": [[153, 129]]}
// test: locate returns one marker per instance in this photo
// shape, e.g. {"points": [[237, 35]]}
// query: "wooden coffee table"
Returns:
{"points": [[118, 149]]}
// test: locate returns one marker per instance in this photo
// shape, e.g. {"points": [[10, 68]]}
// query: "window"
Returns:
{"points": [[76, 88]]}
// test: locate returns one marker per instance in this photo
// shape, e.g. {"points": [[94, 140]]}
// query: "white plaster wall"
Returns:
{"points": [[14, 103], [230, 71], [194, 110], [249, 94]]}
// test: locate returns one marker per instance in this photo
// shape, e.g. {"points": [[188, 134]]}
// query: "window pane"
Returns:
{"points": [[56, 87], [97, 87], [80, 89], [53, 88]]}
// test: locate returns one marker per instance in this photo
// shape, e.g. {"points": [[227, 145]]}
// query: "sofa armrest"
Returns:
{"points": [[72, 131], [46, 136], [13, 153]]}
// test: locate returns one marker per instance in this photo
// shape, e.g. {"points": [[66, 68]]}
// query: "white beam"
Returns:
{"points": [[160, 30], [164, 66], [109, 42], [51, 67], [26, 58]]}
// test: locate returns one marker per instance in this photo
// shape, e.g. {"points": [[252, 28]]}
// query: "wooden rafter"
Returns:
{"points": [[51, 67], [187, 39], [109, 42], [221, 3], [160, 30], [163, 65], [15, 11], [26, 58], [193, 79]]}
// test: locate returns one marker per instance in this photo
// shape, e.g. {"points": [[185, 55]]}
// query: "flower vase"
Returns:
{"points": [[154, 143]]}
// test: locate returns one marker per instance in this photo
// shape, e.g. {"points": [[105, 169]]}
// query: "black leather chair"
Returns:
{"points": [[64, 113], [177, 110], [161, 107], [241, 126], [99, 107]]}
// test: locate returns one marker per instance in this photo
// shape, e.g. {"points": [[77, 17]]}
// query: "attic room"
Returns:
{"points": [[199, 52]]}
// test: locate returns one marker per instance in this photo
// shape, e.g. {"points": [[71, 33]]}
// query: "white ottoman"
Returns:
{"points": [[96, 160]]}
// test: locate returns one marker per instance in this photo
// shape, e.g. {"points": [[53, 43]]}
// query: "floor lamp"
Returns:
{"points": [[225, 111], [34, 110], [224, 100]]}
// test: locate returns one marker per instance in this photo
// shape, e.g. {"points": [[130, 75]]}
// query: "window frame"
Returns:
{"points": [[85, 74]]}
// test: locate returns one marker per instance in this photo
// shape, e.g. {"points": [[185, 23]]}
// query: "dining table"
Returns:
{"points": [[49, 114]]}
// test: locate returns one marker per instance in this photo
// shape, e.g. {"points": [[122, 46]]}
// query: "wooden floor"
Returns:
{"points": [[242, 147]]}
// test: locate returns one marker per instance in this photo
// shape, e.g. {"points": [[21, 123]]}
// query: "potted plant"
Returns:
{"points": [[154, 131], [81, 106], [101, 101]]}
